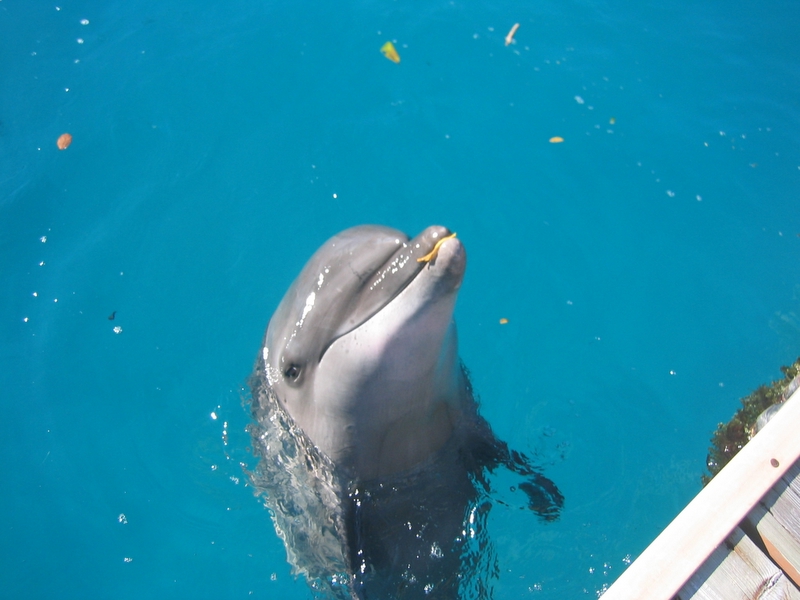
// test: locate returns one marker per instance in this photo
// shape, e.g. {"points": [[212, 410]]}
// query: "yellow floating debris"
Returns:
{"points": [[389, 51], [556, 140], [503, 321], [432, 254], [510, 36], [612, 120]]}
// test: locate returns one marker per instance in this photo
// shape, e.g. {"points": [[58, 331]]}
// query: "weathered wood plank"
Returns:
{"points": [[668, 563], [738, 570], [777, 520]]}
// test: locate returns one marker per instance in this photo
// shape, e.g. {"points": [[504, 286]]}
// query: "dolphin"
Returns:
{"points": [[372, 450]]}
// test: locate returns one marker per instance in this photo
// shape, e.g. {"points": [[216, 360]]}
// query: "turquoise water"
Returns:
{"points": [[648, 267]]}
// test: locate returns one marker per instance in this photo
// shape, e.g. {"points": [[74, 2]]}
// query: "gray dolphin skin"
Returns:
{"points": [[362, 351], [373, 455]]}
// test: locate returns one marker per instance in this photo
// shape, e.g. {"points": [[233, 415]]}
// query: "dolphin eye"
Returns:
{"points": [[292, 372]]}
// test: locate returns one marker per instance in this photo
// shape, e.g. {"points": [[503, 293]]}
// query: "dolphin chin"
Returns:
{"points": [[373, 454]]}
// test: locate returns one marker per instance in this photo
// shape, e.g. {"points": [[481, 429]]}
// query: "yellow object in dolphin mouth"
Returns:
{"points": [[432, 254]]}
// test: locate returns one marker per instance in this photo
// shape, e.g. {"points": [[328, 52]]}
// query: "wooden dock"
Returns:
{"points": [[740, 536]]}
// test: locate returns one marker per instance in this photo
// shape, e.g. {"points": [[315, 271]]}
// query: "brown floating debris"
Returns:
{"points": [[64, 140]]}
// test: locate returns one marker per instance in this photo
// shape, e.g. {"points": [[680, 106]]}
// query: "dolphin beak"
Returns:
{"points": [[392, 277]]}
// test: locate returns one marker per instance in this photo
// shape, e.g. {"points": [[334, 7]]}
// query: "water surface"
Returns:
{"points": [[647, 265]]}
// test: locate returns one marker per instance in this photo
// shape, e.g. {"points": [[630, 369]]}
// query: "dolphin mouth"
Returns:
{"points": [[393, 276]]}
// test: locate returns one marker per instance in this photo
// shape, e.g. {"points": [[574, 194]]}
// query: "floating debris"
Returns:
{"points": [[503, 321], [117, 329], [64, 140], [556, 139], [389, 51], [510, 36], [612, 120]]}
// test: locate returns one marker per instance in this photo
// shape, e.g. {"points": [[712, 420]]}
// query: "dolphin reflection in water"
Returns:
{"points": [[374, 461]]}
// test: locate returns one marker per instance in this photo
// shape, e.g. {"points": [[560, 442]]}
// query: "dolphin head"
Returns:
{"points": [[362, 350]]}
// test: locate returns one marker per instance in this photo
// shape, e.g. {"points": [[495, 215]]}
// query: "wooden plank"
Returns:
{"points": [[668, 563], [777, 520], [738, 570]]}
